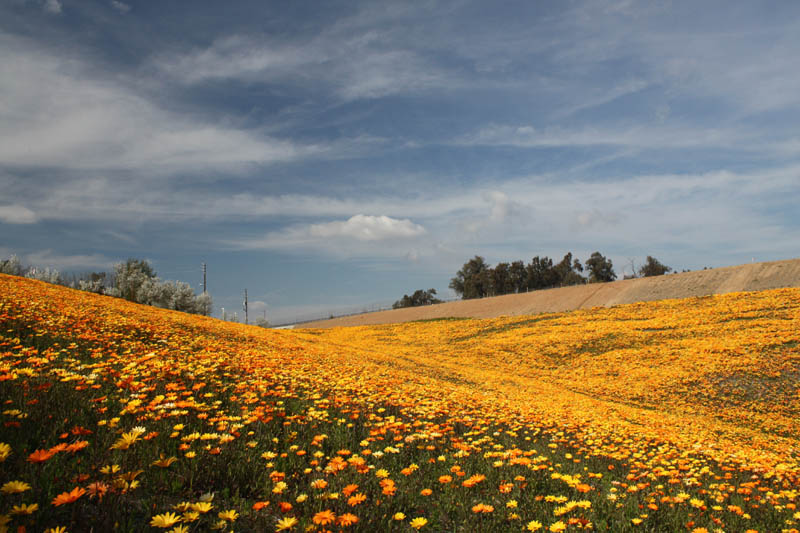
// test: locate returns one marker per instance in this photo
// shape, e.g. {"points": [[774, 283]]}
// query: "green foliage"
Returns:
{"points": [[477, 279], [419, 298], [11, 266], [653, 267], [473, 280], [600, 268], [130, 276]]}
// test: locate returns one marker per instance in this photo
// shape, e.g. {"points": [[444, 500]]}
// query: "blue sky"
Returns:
{"points": [[333, 156]]}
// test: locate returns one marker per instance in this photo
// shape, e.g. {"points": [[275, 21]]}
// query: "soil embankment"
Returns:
{"points": [[749, 277]]}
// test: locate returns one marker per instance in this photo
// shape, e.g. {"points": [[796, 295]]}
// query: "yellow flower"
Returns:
{"points": [[24, 509], [534, 525], [190, 516], [5, 451], [636, 521], [179, 529], [230, 515], [14, 487], [694, 502], [511, 504], [202, 507], [59, 529], [165, 520], [164, 462], [286, 523], [558, 526], [110, 469], [399, 516], [126, 440], [418, 522]]}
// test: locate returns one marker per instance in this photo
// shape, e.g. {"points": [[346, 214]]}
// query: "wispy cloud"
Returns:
{"points": [[59, 114], [632, 136], [49, 258], [353, 58]]}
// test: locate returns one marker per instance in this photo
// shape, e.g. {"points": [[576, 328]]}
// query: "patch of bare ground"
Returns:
{"points": [[748, 277]]}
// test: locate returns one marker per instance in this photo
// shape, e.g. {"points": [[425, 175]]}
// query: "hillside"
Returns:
{"points": [[677, 415], [749, 277]]}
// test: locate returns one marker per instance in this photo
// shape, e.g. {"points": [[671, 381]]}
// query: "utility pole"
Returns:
{"points": [[245, 306], [204, 278]]}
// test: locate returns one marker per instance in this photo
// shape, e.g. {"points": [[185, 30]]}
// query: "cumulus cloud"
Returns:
{"points": [[360, 235], [17, 214], [368, 228]]}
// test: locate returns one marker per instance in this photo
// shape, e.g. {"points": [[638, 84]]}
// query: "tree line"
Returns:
{"points": [[419, 298], [477, 279], [134, 280]]}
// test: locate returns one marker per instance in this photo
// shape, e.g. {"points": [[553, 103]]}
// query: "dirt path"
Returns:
{"points": [[749, 277]]}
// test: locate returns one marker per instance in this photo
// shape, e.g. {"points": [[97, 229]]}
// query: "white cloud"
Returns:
{"points": [[356, 62], [360, 235], [52, 6], [57, 112], [120, 6], [17, 214], [49, 258], [635, 136], [367, 228], [501, 208]]}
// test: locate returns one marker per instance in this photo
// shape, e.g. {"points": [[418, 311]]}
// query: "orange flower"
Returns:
{"points": [[357, 499], [98, 489], [259, 505], [473, 480], [68, 497], [482, 508], [285, 507], [324, 518], [346, 519], [60, 447], [349, 489], [426, 492], [445, 479], [75, 446], [40, 456]]}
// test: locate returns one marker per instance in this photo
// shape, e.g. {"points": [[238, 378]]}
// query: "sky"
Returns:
{"points": [[330, 157]]}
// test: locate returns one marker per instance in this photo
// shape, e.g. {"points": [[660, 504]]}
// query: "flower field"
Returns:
{"points": [[680, 415]]}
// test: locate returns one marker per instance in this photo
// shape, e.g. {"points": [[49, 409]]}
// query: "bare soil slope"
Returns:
{"points": [[749, 277]]}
